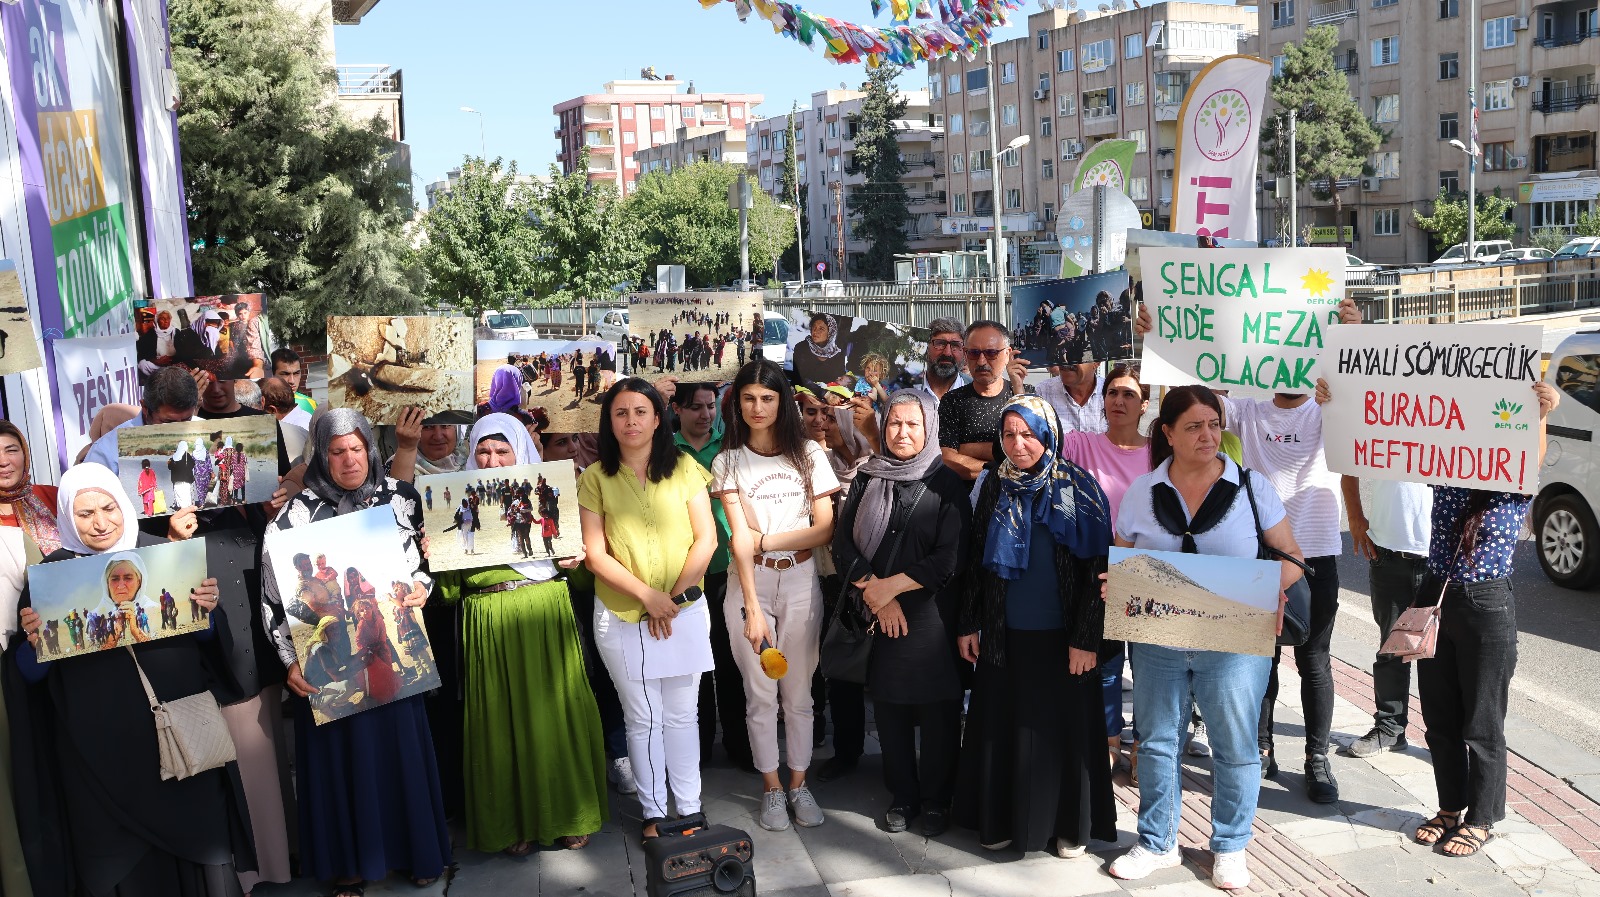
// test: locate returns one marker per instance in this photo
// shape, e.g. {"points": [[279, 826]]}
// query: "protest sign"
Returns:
{"points": [[19, 346], [91, 373], [863, 355], [1248, 320], [226, 335], [1073, 321], [501, 515], [119, 599], [696, 336], [343, 582], [381, 365], [198, 463], [560, 381], [1450, 404], [1205, 602]]}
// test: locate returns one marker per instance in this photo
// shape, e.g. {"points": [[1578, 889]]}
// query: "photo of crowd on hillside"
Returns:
{"points": [[1074, 320], [118, 599], [699, 336], [226, 335]]}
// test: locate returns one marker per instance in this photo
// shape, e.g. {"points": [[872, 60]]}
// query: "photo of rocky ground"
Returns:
{"points": [[381, 365]]}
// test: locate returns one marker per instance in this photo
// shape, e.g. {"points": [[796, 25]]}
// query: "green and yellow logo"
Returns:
{"points": [[1503, 412]]}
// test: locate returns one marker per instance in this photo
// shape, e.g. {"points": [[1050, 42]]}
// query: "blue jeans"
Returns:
{"points": [[1227, 688]]}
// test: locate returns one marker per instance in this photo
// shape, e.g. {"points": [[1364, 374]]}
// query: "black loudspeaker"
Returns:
{"points": [[693, 859]]}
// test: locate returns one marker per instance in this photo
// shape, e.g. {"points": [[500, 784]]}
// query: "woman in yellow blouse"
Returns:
{"points": [[649, 536]]}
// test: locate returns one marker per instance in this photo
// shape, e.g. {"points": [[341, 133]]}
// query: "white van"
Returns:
{"points": [[614, 326], [775, 342], [1482, 251], [508, 324], [1564, 527]]}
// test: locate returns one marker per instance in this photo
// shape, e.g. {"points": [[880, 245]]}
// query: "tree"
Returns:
{"points": [[588, 246], [1333, 139], [1448, 223], [480, 245], [284, 194], [686, 220], [786, 192], [1551, 238], [880, 202]]}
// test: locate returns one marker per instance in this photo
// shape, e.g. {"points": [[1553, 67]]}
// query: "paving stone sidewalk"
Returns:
{"points": [[1358, 846]]}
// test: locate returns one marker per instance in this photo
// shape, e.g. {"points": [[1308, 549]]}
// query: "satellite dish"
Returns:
{"points": [[1061, 4], [1072, 4], [1044, 5], [1119, 5], [1105, 7]]}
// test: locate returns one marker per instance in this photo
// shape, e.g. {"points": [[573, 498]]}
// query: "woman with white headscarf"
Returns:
{"points": [[530, 715], [368, 784], [85, 758], [181, 469], [423, 448]]}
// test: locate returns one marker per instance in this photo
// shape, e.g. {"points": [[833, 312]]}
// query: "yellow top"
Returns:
{"points": [[647, 527]]}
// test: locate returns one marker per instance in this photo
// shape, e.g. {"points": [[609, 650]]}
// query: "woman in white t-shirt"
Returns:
{"points": [[777, 482]]}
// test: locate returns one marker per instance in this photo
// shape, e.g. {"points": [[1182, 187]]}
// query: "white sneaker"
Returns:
{"points": [[621, 775], [774, 815], [1066, 850], [1229, 871], [1199, 744], [1139, 862], [806, 811]]}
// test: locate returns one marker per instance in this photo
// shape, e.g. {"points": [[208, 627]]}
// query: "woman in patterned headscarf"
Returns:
{"points": [[818, 360], [1033, 766]]}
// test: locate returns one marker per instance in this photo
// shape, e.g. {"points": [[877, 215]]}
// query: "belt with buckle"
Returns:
{"points": [[508, 586], [784, 563]]}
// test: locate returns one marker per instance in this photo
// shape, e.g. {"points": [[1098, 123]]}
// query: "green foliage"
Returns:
{"points": [[1587, 225], [1333, 138], [686, 220], [881, 201], [1448, 223], [588, 244], [786, 189], [285, 195], [1551, 238], [480, 245]]}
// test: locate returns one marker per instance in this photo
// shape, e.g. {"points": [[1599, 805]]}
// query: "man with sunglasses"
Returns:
{"points": [[969, 416], [942, 362]]}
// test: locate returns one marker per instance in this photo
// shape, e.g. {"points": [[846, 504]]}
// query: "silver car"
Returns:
{"points": [[1564, 525]]}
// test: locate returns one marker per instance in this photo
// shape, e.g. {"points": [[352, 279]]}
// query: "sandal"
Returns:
{"points": [[1464, 835], [519, 849], [359, 889], [424, 882], [574, 842], [656, 821], [1434, 830]]}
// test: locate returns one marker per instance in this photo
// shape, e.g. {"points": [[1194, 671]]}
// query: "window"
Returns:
{"points": [[1097, 56], [1386, 223], [1387, 164], [1066, 105], [1042, 39], [627, 136], [980, 160], [656, 113], [1386, 51], [1576, 375], [1008, 115], [1386, 108], [1097, 103], [957, 161], [1013, 158], [1499, 32], [833, 163], [979, 126], [1064, 61], [961, 202], [1047, 169], [1141, 143], [1282, 13], [955, 123], [658, 137], [1046, 126], [780, 140], [1449, 9], [833, 129], [766, 142], [690, 110], [935, 87], [1171, 86], [1139, 189], [1497, 156], [1378, 4], [1449, 125], [982, 202], [1277, 65], [1044, 83], [1449, 66], [952, 86], [627, 113], [1008, 74], [1133, 46], [1450, 181], [1049, 212], [1013, 198], [1561, 214], [1133, 93], [1496, 96], [977, 79]]}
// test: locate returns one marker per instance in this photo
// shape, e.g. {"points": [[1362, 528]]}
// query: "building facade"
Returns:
{"points": [[712, 143], [639, 114], [1079, 77], [1408, 64], [825, 159]]}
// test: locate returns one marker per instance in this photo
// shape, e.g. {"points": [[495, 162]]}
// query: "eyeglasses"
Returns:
{"points": [[945, 344], [986, 354]]}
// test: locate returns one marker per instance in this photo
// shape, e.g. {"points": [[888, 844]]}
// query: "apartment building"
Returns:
{"points": [[1407, 64], [825, 135], [1079, 77], [711, 143], [639, 114]]}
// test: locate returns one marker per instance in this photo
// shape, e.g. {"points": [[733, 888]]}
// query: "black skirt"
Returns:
{"points": [[1033, 756]]}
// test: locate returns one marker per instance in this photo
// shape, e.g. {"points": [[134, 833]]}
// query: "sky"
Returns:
{"points": [[513, 60]]}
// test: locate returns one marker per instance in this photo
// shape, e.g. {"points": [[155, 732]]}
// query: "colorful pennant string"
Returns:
{"points": [[955, 28]]}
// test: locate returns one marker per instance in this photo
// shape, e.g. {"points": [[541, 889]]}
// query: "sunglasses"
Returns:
{"points": [[986, 354]]}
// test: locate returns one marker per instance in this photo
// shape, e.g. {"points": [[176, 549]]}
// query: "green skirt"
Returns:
{"points": [[535, 759]]}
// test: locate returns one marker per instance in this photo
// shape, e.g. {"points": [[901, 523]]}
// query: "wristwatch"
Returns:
{"points": [[692, 593]]}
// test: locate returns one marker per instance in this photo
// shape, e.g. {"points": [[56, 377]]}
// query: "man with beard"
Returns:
{"points": [[942, 359], [969, 415], [1078, 397]]}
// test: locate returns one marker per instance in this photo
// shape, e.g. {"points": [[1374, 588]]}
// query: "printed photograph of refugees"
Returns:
{"points": [[199, 463], [115, 600], [502, 515]]}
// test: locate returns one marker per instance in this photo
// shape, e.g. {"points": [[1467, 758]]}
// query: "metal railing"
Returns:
{"points": [[1543, 292], [1565, 40], [363, 80], [1327, 13], [1569, 100]]}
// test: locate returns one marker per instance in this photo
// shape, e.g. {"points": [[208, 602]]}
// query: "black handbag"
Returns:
{"points": [[847, 643], [1297, 612]]}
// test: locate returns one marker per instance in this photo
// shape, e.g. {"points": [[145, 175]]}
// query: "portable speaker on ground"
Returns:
{"points": [[693, 859]]}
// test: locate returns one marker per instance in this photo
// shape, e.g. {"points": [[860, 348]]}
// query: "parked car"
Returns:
{"points": [[1564, 528], [1482, 251], [1580, 247], [775, 342], [1532, 254], [614, 326], [509, 324], [1356, 269]]}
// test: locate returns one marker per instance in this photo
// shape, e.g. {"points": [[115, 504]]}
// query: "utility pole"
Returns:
{"points": [[1294, 185], [1472, 125], [744, 232], [799, 231], [838, 206], [998, 239]]}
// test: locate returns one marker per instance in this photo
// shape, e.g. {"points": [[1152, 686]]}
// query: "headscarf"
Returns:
{"points": [[211, 338], [182, 450], [37, 518], [83, 478], [510, 430], [831, 347], [448, 464], [1056, 493], [884, 470], [201, 453], [131, 557], [166, 337], [505, 389], [227, 442], [334, 423]]}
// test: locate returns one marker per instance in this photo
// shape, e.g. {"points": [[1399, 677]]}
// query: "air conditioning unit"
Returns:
{"points": [[1371, 184], [1517, 162], [1077, 146], [1520, 81], [1520, 23], [1069, 156], [1041, 93]]}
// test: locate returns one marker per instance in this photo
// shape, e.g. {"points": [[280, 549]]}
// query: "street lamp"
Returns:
{"points": [[482, 153], [1472, 197], [1015, 146]]}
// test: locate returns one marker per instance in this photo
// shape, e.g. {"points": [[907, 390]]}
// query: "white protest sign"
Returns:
{"points": [[1450, 404], [91, 373], [1247, 320]]}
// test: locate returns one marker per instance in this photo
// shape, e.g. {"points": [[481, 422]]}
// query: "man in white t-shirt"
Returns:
{"points": [[1078, 396], [1394, 540]]}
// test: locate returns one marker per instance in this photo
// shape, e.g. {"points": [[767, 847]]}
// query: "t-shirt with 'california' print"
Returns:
{"points": [[772, 492]]}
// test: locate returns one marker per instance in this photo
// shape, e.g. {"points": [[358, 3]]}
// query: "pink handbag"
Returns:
{"points": [[1415, 635]]}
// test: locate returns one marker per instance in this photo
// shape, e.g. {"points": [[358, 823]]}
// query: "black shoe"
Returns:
{"points": [[1376, 742], [898, 818], [1321, 786], [837, 768], [935, 822], [1269, 764]]}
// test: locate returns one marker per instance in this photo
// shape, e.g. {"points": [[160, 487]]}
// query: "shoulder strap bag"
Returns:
{"points": [[190, 732], [1297, 612], [847, 644], [1415, 636]]}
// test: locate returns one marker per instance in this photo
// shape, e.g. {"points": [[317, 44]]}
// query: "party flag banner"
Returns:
{"points": [[1218, 149], [955, 28]]}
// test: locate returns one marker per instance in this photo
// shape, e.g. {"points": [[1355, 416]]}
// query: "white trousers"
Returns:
{"points": [[792, 602], [662, 717], [182, 495], [468, 538]]}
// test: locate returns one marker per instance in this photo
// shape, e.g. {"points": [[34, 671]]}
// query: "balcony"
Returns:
{"points": [[596, 114], [1332, 13], [1168, 111], [1568, 100], [1348, 65], [936, 197], [364, 91]]}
